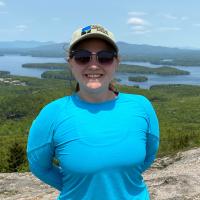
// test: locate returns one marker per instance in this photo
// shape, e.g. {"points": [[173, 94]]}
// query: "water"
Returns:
{"points": [[153, 79], [13, 64]]}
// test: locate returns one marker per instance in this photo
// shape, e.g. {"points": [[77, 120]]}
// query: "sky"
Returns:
{"points": [[171, 23]]}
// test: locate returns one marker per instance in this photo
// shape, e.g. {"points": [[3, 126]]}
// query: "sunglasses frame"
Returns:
{"points": [[73, 52]]}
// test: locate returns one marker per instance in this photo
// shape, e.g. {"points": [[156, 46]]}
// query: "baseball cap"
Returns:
{"points": [[92, 31]]}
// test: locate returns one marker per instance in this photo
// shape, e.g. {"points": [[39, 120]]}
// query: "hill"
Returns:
{"points": [[130, 52], [149, 50], [22, 44]]}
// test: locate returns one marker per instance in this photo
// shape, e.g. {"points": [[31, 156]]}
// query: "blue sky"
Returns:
{"points": [[172, 23]]}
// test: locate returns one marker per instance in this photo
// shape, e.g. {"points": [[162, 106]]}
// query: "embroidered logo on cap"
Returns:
{"points": [[88, 29], [85, 30]]}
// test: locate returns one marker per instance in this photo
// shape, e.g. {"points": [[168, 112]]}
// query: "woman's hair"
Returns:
{"points": [[111, 87]]}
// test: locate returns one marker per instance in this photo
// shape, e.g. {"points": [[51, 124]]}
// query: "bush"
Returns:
{"points": [[16, 157]]}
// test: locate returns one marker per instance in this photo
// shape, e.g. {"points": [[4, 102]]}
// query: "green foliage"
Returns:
{"points": [[177, 107], [137, 78], [16, 157], [4, 73], [164, 70], [64, 74], [46, 65]]}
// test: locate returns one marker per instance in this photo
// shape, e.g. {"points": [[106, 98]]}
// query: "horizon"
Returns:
{"points": [[54, 42], [172, 24]]}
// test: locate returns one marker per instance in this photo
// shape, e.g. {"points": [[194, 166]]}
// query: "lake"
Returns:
{"points": [[13, 64]]}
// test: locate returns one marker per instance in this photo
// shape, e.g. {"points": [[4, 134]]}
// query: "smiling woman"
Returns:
{"points": [[93, 63], [102, 139]]}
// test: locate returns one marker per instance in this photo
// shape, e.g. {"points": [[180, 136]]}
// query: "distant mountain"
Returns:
{"points": [[149, 50], [128, 52], [51, 47], [22, 44], [125, 48]]}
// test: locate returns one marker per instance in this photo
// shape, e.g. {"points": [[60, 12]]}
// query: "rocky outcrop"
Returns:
{"points": [[176, 178], [170, 178]]}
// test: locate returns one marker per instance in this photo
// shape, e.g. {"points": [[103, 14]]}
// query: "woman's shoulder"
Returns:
{"points": [[54, 106], [57, 102], [134, 97], [139, 100]]}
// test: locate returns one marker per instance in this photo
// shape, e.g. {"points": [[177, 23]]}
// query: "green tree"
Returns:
{"points": [[16, 156]]}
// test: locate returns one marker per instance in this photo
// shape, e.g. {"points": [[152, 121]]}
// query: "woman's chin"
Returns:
{"points": [[94, 85]]}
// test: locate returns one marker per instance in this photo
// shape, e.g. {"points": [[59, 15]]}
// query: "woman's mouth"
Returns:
{"points": [[93, 76]]}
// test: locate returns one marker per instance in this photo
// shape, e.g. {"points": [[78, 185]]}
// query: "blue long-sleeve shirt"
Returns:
{"points": [[102, 148]]}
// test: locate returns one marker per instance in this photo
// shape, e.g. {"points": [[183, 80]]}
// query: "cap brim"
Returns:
{"points": [[95, 35]]}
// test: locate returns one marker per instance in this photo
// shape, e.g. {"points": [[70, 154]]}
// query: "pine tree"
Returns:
{"points": [[16, 156]]}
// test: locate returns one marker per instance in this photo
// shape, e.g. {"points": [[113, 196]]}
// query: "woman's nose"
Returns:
{"points": [[94, 62]]}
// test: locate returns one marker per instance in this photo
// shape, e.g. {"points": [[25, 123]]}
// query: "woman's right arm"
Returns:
{"points": [[40, 149]]}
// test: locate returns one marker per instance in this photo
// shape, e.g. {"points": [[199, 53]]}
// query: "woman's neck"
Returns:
{"points": [[96, 97]]}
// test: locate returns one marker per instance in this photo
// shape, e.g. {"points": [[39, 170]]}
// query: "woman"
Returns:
{"points": [[103, 139]]}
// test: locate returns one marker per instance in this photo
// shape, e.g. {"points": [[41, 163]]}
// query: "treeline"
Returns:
{"points": [[4, 73], [64, 74], [164, 70], [137, 78], [46, 65]]}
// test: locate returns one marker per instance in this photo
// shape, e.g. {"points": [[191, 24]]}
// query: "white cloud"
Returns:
{"points": [[170, 16], [174, 17], [21, 27], [138, 25], [2, 3], [135, 13], [169, 29], [136, 21]]}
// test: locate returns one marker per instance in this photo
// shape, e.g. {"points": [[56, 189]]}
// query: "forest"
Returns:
{"points": [[176, 107]]}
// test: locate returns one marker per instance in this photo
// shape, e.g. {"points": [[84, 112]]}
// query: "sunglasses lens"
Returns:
{"points": [[105, 57], [82, 57]]}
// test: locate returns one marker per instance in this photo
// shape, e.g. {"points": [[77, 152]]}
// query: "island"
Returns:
{"points": [[137, 78]]}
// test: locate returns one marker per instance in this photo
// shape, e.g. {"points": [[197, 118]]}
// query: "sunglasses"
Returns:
{"points": [[83, 57]]}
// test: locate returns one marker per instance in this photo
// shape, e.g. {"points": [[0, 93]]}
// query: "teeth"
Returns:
{"points": [[93, 75]]}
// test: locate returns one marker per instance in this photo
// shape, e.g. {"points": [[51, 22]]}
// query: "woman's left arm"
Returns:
{"points": [[152, 136]]}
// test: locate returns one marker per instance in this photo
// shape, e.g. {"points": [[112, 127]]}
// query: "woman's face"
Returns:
{"points": [[93, 76]]}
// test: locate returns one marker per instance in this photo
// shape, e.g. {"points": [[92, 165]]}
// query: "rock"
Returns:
{"points": [[169, 178], [175, 178], [24, 186]]}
